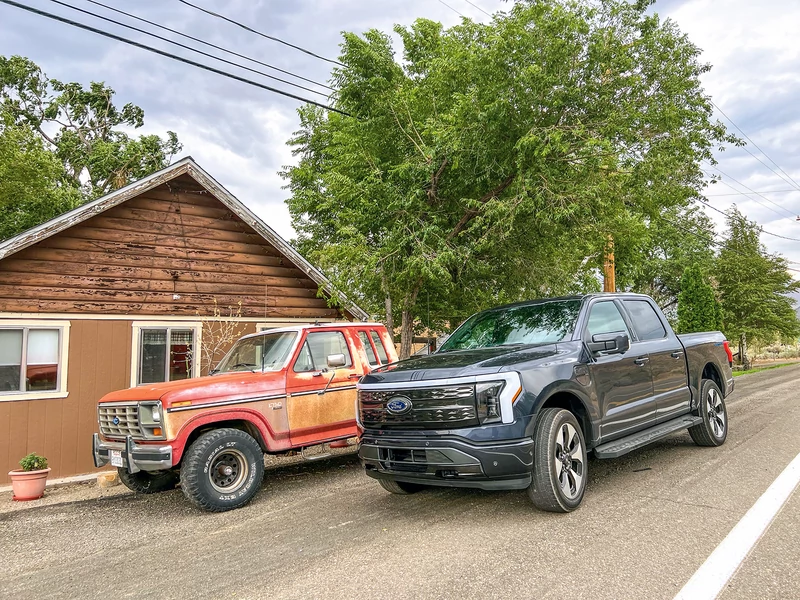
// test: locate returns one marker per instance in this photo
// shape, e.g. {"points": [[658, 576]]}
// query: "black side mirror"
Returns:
{"points": [[610, 343]]}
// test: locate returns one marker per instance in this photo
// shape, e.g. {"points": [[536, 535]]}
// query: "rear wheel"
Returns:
{"points": [[222, 470], [148, 482], [714, 429], [400, 487], [559, 462]]}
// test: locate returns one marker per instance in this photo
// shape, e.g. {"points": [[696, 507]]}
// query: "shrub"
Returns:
{"points": [[33, 462]]}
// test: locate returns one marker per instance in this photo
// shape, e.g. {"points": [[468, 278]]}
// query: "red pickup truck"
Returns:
{"points": [[276, 391]]}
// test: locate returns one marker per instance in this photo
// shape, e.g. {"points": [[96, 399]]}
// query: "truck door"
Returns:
{"points": [[321, 389], [667, 360], [623, 382]]}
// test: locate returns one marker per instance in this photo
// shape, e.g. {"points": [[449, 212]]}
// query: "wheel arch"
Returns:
{"points": [[194, 430], [711, 371], [574, 404]]}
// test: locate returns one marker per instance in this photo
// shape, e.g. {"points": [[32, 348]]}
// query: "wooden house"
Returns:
{"points": [[142, 285]]}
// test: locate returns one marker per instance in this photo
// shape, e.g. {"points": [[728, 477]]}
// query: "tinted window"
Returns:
{"points": [[645, 320], [606, 318], [320, 345], [373, 360], [379, 346]]}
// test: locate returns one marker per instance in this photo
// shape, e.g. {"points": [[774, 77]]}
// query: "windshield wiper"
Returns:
{"points": [[251, 365]]}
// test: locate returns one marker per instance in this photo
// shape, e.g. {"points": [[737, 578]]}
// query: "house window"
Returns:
{"points": [[33, 360], [165, 352]]}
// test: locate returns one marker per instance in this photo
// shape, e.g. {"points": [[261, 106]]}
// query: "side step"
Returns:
{"points": [[642, 438]]}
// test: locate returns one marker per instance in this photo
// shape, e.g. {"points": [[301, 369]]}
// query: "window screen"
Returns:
{"points": [[165, 354], [645, 320]]}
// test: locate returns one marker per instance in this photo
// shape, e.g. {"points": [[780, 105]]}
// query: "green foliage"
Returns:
{"points": [[492, 161], [33, 462], [754, 286], [61, 145], [698, 309]]}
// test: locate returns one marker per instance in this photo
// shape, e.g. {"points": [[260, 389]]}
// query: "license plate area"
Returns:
{"points": [[401, 459], [115, 457]]}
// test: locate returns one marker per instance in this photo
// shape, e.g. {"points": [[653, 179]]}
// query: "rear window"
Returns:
{"points": [[645, 320]]}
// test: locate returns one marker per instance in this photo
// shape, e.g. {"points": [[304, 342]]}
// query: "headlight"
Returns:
{"points": [[487, 398], [150, 420]]}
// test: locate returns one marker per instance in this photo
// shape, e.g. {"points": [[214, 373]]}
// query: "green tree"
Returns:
{"points": [[753, 288], [77, 126], [492, 160], [698, 309]]}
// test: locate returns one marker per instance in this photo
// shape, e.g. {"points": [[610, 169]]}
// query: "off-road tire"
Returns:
{"points": [[203, 478], [550, 474], [713, 431], [402, 488], [148, 482]]}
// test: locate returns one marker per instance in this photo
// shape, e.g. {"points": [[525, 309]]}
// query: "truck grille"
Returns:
{"points": [[119, 420], [431, 408]]}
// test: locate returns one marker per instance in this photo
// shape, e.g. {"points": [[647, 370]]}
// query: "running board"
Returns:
{"points": [[648, 436]]}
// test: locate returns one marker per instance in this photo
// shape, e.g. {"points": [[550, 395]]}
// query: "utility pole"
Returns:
{"points": [[609, 282]]}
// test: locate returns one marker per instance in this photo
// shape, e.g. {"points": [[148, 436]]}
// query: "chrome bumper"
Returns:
{"points": [[135, 457]]}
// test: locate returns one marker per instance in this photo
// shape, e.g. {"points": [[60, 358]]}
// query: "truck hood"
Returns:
{"points": [[227, 385], [461, 363]]}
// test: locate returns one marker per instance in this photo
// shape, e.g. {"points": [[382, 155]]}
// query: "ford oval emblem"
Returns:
{"points": [[399, 405], [115, 420]]}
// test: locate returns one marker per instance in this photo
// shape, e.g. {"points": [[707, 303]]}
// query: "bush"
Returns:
{"points": [[33, 462]]}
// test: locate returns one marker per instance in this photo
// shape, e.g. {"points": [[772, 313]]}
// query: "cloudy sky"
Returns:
{"points": [[238, 133]]}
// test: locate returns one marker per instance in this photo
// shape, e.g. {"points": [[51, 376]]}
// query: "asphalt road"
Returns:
{"points": [[324, 530]]}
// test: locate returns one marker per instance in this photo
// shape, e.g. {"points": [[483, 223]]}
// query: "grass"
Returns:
{"points": [[757, 369]]}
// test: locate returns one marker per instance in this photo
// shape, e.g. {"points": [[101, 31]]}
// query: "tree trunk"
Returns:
{"points": [[389, 319], [406, 334], [743, 358]]}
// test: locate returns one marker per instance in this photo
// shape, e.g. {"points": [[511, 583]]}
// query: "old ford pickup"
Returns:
{"points": [[519, 396], [275, 392]]}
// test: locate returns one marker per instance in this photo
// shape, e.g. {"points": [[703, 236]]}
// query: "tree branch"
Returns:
{"points": [[472, 212]]}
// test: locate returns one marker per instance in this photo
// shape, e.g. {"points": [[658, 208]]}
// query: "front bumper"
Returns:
{"points": [[135, 457], [449, 462]]}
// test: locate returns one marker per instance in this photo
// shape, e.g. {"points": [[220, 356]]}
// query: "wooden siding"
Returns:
{"points": [[61, 429], [135, 258]]}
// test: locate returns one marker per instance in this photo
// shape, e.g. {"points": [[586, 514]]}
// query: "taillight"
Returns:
{"points": [[728, 352]]}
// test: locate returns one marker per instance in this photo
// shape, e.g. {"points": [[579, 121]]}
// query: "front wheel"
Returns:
{"points": [[148, 482], [714, 429], [559, 462], [222, 470], [400, 487]]}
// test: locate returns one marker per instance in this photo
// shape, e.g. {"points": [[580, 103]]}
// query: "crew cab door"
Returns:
{"points": [[622, 381], [321, 388], [667, 359]]}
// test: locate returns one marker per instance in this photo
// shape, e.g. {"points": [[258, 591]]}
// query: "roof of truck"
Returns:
{"points": [[329, 324]]}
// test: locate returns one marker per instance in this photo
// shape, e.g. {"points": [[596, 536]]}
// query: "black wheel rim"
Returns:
{"points": [[569, 461], [228, 471], [716, 413]]}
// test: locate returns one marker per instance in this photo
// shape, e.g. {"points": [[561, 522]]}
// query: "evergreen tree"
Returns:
{"points": [[697, 307]]}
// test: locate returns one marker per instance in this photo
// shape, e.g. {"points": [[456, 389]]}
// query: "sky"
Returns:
{"points": [[238, 133]]}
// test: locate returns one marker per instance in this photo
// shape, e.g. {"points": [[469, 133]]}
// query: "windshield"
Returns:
{"points": [[543, 323], [266, 352]]}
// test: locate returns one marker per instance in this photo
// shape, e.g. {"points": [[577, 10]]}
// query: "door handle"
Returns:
{"points": [[676, 354], [641, 361]]}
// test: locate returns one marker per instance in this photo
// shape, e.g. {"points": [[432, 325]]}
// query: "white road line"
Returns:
{"points": [[711, 577]]}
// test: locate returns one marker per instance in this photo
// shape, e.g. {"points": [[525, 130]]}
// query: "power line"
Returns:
{"points": [[751, 193], [440, 1], [209, 44], [761, 228], [740, 193], [169, 41], [172, 56], [478, 7], [756, 146], [750, 190], [264, 35]]}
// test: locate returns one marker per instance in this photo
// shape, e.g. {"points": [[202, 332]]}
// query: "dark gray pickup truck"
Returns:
{"points": [[519, 395]]}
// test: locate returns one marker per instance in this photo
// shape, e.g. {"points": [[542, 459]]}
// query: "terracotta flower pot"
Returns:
{"points": [[28, 485]]}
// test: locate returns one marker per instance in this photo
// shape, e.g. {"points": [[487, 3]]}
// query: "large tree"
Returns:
{"points": [[81, 129], [698, 309], [491, 162], [754, 288]]}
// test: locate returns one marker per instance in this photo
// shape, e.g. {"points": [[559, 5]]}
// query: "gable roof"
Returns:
{"points": [[184, 166]]}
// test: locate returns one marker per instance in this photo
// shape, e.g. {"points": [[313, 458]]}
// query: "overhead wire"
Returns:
{"points": [[440, 2], [209, 44], [751, 191], [171, 56], [478, 7], [761, 228], [184, 46], [262, 34]]}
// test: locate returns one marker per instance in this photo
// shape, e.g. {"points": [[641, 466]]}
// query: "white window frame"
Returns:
{"points": [[63, 359], [138, 326]]}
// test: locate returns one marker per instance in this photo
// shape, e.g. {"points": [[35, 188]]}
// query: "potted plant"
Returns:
{"points": [[28, 482]]}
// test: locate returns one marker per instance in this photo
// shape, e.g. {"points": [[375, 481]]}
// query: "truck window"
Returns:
{"points": [[316, 349], [268, 352], [373, 360], [606, 318], [645, 320], [379, 347]]}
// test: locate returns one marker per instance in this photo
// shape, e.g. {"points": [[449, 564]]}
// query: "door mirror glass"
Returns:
{"points": [[610, 343], [336, 360]]}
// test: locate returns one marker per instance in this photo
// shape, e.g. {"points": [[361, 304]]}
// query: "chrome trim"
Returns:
{"points": [[131, 449], [512, 387], [330, 389], [226, 403]]}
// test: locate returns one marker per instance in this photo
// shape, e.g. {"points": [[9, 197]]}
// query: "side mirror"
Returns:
{"points": [[610, 343], [336, 360]]}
